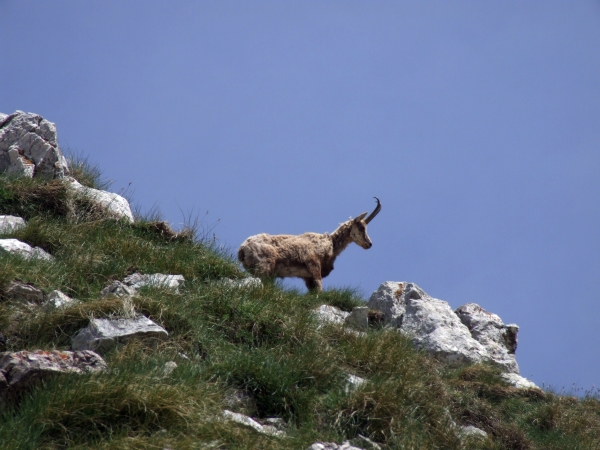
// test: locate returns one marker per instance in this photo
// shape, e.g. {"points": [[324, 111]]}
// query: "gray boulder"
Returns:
{"points": [[8, 224], [157, 280], [243, 283], [117, 289], [516, 380], [29, 146], [353, 382], [242, 419], [358, 318], [103, 334], [115, 206], [57, 299], [467, 432], [487, 328], [387, 299], [430, 322], [19, 370], [330, 314], [21, 292], [24, 250], [333, 446]]}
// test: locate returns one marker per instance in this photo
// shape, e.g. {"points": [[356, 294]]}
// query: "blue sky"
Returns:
{"points": [[475, 123]]}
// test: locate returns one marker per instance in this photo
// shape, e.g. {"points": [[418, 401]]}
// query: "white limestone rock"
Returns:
{"points": [[29, 146], [18, 370], [499, 340], [330, 314], [24, 250], [157, 280], [115, 205], [358, 318], [471, 432], [103, 334], [117, 289], [244, 283], [516, 380], [388, 299], [56, 299], [8, 224], [333, 446], [430, 322], [470, 334], [18, 291], [269, 430], [353, 382]]}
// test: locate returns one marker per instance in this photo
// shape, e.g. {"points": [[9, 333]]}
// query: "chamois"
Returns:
{"points": [[309, 256]]}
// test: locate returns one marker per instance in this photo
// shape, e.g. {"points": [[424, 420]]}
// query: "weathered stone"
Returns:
{"points": [[388, 299], [367, 443], [103, 334], [8, 224], [157, 280], [353, 382], [21, 369], [358, 318], [117, 289], [24, 250], [430, 322], [333, 446], [29, 146], [330, 314], [518, 381], [471, 432], [243, 283], [250, 422], [56, 299], [169, 367], [499, 340], [115, 206], [24, 292], [240, 401]]}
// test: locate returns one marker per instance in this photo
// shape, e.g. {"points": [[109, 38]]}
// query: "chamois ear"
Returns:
{"points": [[361, 217]]}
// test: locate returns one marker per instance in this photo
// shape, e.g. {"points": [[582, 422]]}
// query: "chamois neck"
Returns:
{"points": [[341, 237]]}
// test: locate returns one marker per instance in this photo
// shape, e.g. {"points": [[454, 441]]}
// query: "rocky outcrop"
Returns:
{"points": [[24, 250], [487, 328], [242, 419], [156, 280], [470, 334], [114, 205], [330, 314], [8, 224], [516, 380], [130, 284], [102, 335], [333, 446], [20, 292], [117, 289], [20, 370], [57, 299], [243, 283], [353, 382], [358, 318], [29, 146]]}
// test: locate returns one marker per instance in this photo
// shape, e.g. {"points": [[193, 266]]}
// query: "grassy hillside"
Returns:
{"points": [[259, 345]]}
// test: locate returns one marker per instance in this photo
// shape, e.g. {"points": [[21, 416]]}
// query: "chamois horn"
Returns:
{"points": [[375, 211]]}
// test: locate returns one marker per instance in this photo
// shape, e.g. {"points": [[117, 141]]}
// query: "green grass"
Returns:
{"points": [[262, 343]]}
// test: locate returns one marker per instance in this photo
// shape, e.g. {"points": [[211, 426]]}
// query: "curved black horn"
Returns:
{"points": [[375, 211]]}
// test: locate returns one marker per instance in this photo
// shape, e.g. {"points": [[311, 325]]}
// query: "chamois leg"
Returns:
{"points": [[312, 284]]}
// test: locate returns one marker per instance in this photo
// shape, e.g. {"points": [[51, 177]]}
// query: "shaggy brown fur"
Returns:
{"points": [[309, 256]]}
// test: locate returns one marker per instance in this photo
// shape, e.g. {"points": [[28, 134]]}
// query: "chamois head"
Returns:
{"points": [[358, 233]]}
